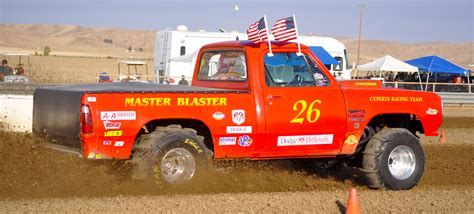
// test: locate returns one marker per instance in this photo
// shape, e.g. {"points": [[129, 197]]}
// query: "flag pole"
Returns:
{"points": [[268, 35], [297, 36]]}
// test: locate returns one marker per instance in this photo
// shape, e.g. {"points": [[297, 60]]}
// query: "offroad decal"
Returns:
{"points": [[112, 133], [152, 101], [305, 140], [395, 99], [312, 113], [227, 141], [201, 101], [351, 139], [431, 111], [355, 115], [166, 101], [94, 155], [218, 115], [107, 142], [118, 115], [112, 125], [119, 143], [91, 99], [365, 83], [245, 141], [238, 116], [193, 144], [239, 129]]}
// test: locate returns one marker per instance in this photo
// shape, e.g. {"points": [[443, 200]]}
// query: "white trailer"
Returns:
{"points": [[176, 52]]}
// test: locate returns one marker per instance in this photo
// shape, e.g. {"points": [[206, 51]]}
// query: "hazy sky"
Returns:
{"points": [[407, 21]]}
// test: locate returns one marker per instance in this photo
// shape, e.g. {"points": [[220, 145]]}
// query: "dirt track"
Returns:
{"points": [[33, 178]]}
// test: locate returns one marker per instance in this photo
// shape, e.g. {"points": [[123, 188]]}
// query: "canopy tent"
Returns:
{"points": [[436, 65], [323, 55], [388, 63]]}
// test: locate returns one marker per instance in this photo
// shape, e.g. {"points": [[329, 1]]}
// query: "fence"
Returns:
{"points": [[433, 87]]}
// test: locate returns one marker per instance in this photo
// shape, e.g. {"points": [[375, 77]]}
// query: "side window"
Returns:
{"points": [[287, 70], [223, 66], [319, 77], [338, 66], [291, 70]]}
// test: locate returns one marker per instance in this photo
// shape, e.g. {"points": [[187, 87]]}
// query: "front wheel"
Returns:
{"points": [[394, 159]]}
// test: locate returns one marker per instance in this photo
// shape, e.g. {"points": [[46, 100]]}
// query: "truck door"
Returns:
{"points": [[305, 111]]}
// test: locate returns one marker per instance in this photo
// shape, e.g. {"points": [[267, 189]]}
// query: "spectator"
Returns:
{"points": [[5, 70], [20, 70], [183, 81]]}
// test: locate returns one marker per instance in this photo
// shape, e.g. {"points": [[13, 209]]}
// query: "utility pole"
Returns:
{"points": [[361, 6]]}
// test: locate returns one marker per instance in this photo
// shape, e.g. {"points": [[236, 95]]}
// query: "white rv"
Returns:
{"points": [[176, 52]]}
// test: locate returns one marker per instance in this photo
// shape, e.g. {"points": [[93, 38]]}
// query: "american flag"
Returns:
{"points": [[257, 32], [284, 29]]}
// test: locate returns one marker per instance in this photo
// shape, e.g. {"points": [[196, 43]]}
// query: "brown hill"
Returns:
{"points": [[77, 40], [85, 41]]}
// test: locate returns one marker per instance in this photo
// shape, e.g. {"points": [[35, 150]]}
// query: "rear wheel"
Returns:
{"points": [[394, 159], [170, 156]]}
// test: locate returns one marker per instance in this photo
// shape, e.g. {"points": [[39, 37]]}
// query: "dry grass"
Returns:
{"points": [[58, 70]]}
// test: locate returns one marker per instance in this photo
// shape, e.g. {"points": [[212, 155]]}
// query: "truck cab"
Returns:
{"points": [[290, 90]]}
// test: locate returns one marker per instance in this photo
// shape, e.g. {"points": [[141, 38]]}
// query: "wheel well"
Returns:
{"points": [[377, 123], [407, 121], [197, 125]]}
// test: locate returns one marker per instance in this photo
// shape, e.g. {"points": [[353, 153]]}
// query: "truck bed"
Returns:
{"points": [[56, 109]]}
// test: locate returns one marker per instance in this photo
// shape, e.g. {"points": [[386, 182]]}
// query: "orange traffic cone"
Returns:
{"points": [[353, 203], [442, 137]]}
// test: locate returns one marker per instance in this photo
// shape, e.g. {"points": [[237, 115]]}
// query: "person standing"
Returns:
{"points": [[183, 81], [5, 70]]}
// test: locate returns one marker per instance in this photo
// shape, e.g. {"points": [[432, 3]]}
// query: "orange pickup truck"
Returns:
{"points": [[245, 103]]}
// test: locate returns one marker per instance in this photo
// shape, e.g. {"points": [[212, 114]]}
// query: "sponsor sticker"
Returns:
{"points": [[356, 115], [112, 125], [227, 141], [118, 143], [238, 116], [431, 111], [304, 140], [112, 133], [245, 141], [91, 99], [218, 115], [351, 139], [239, 129], [107, 142], [118, 115]]}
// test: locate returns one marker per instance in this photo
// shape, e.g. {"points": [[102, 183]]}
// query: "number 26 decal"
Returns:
{"points": [[312, 113]]}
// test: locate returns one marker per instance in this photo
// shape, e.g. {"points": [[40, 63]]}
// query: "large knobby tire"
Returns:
{"points": [[170, 156], [393, 159]]}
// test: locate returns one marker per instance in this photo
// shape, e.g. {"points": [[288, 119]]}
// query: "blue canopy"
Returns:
{"points": [[323, 55], [437, 65]]}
